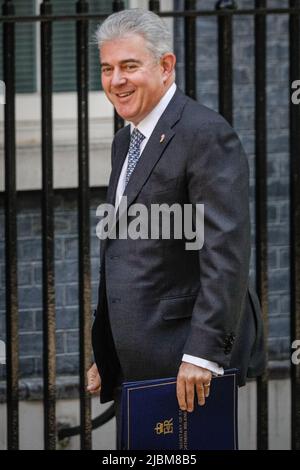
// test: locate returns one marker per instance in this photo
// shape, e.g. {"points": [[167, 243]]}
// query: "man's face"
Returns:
{"points": [[131, 78]]}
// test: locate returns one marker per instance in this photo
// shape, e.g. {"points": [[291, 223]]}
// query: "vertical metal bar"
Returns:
{"points": [[190, 50], [118, 5], [225, 59], [294, 33], [261, 211], [154, 5], [49, 346], [12, 324], [84, 226]]}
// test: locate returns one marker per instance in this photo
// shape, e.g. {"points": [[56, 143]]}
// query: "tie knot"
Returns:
{"points": [[136, 137]]}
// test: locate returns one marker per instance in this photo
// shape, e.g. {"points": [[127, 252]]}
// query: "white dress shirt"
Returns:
{"points": [[146, 127]]}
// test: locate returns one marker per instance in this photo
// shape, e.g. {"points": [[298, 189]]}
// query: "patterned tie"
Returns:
{"points": [[134, 152]]}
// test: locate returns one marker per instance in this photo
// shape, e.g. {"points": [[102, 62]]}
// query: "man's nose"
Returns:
{"points": [[118, 78]]}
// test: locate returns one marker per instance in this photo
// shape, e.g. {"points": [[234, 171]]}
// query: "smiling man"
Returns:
{"points": [[163, 310]]}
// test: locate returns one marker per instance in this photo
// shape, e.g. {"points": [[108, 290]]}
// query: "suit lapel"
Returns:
{"points": [[121, 150], [121, 146]]}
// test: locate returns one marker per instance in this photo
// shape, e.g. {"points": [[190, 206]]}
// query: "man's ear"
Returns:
{"points": [[168, 61]]}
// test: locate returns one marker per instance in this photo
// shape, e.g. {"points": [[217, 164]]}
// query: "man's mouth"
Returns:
{"points": [[124, 94]]}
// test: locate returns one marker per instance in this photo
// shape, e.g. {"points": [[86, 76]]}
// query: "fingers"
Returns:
{"points": [[94, 380], [180, 392], [206, 389], [185, 390], [200, 394], [190, 394], [189, 378], [94, 386], [93, 390]]}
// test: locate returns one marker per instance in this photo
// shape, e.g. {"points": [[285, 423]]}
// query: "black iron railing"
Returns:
{"points": [[225, 11]]}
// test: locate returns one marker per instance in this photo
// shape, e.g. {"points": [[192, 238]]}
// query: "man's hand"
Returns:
{"points": [[94, 380], [189, 377]]}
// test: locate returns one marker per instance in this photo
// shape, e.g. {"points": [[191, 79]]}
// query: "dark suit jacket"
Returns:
{"points": [[157, 300]]}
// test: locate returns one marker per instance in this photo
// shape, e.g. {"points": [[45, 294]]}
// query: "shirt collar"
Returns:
{"points": [[147, 125]]}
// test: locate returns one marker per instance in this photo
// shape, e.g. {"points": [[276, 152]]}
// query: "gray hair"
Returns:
{"points": [[137, 21]]}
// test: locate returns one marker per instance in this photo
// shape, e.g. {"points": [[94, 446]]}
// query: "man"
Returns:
{"points": [[164, 310]]}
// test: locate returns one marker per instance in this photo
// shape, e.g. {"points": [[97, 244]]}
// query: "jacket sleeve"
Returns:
{"points": [[218, 177]]}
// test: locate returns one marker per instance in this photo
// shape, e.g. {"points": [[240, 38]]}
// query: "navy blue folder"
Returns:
{"points": [[152, 419]]}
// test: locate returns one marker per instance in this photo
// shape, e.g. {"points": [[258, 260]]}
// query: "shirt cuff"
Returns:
{"points": [[197, 361]]}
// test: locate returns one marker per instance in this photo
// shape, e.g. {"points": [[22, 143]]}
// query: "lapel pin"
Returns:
{"points": [[162, 138]]}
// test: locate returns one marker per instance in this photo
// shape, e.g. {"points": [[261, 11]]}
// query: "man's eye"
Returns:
{"points": [[130, 66], [106, 70]]}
